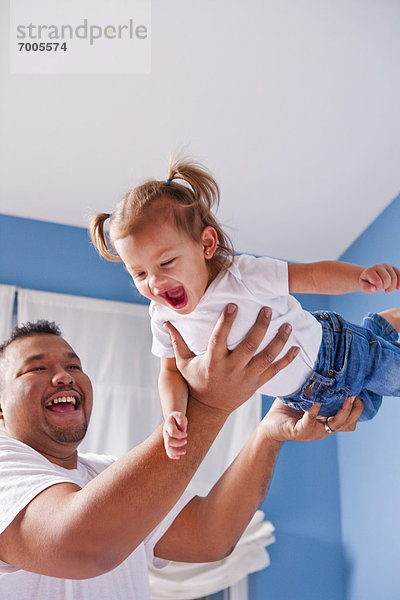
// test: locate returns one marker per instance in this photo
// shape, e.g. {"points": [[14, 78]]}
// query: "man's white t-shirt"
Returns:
{"points": [[24, 473], [251, 283]]}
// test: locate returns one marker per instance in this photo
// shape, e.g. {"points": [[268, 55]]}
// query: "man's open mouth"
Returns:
{"points": [[176, 297], [63, 404]]}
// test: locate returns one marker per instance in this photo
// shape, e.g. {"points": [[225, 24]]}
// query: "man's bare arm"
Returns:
{"points": [[208, 528], [78, 533]]}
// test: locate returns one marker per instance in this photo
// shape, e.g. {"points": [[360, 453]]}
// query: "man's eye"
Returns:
{"points": [[139, 275], [75, 367], [37, 369]]}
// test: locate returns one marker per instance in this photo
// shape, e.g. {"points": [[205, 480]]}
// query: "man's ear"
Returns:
{"points": [[209, 239]]}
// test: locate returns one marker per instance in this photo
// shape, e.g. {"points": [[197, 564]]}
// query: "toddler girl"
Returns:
{"points": [[181, 260]]}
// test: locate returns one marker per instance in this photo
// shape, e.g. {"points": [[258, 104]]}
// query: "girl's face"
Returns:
{"points": [[166, 265]]}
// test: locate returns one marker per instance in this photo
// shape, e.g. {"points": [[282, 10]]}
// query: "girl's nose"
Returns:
{"points": [[157, 283]]}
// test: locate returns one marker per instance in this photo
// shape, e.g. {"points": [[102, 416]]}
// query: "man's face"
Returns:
{"points": [[45, 397]]}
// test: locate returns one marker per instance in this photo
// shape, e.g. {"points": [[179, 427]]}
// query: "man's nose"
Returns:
{"points": [[62, 377]]}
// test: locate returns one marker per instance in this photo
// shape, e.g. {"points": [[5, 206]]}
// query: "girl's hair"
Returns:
{"points": [[186, 198]]}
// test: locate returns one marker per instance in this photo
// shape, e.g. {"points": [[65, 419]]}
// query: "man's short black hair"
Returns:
{"points": [[31, 328]]}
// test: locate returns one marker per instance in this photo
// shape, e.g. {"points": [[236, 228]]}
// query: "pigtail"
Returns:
{"points": [[100, 238], [203, 185], [203, 199]]}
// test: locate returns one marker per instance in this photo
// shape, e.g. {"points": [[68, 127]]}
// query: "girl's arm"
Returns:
{"points": [[173, 392], [172, 388], [333, 277]]}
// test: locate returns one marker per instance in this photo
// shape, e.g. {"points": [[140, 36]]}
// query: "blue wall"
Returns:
{"points": [[313, 557], [369, 465], [58, 258], [303, 504], [306, 503]]}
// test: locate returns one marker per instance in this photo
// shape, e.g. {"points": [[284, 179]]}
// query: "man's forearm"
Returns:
{"points": [[145, 478], [209, 528], [100, 525]]}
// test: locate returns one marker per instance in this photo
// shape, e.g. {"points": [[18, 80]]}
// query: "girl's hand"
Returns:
{"points": [[380, 277], [175, 435]]}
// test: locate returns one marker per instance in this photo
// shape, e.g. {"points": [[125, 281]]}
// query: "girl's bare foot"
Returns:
{"points": [[392, 315]]}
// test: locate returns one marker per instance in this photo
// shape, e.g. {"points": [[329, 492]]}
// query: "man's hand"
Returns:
{"points": [[224, 379], [283, 423], [380, 277]]}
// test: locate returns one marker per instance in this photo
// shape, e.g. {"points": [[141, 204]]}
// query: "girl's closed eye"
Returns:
{"points": [[138, 276], [168, 262]]}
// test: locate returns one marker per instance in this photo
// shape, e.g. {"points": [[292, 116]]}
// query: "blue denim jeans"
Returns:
{"points": [[353, 360]]}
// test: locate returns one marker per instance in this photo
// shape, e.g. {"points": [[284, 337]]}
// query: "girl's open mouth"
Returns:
{"points": [[176, 297]]}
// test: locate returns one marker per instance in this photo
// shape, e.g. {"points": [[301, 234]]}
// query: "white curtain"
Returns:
{"points": [[113, 340], [228, 443], [7, 297]]}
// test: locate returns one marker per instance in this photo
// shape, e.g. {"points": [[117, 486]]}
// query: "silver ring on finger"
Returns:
{"points": [[327, 428]]}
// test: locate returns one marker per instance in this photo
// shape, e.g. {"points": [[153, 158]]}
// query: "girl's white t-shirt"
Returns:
{"points": [[24, 473], [251, 283]]}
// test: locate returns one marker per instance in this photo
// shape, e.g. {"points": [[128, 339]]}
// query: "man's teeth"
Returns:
{"points": [[63, 400]]}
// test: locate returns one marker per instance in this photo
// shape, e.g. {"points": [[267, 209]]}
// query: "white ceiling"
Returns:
{"points": [[293, 105]]}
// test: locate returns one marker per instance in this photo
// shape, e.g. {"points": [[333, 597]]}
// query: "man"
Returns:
{"points": [[84, 526]]}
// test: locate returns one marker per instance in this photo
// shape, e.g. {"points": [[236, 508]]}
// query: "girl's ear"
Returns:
{"points": [[209, 240]]}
